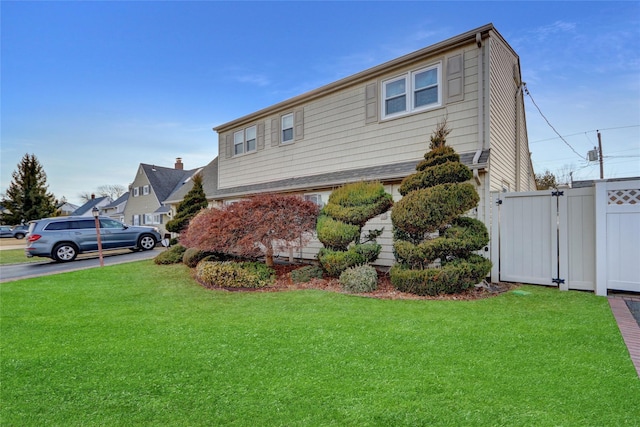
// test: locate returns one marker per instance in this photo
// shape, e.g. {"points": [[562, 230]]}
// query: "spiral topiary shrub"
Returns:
{"points": [[173, 255], [340, 225], [229, 274], [306, 273], [359, 279], [434, 243]]}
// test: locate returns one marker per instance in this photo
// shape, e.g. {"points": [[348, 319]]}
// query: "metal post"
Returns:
{"points": [[96, 212]]}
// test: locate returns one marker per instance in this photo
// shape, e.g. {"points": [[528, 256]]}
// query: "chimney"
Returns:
{"points": [[179, 164], [93, 196]]}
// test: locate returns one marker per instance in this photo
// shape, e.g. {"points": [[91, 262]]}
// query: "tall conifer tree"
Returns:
{"points": [[194, 201], [27, 197]]}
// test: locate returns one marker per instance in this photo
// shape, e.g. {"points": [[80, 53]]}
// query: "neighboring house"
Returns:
{"points": [[94, 202], [115, 209], [67, 208], [151, 186], [209, 185]]}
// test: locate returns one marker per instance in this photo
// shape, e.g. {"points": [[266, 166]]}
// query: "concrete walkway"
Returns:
{"points": [[628, 326]]}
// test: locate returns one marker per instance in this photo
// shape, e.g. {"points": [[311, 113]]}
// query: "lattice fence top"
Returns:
{"points": [[623, 197]]}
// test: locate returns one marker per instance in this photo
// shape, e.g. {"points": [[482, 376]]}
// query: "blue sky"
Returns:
{"points": [[93, 89]]}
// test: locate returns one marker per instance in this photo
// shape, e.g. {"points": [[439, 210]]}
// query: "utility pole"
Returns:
{"points": [[600, 155]]}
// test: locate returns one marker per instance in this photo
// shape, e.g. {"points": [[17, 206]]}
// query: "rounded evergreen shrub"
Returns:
{"points": [[173, 255], [306, 273], [336, 234], [359, 279], [229, 274], [193, 256]]}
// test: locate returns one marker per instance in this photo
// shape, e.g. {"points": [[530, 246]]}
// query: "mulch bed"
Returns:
{"points": [[385, 289]]}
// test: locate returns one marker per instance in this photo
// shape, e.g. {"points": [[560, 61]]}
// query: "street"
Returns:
{"points": [[34, 269]]}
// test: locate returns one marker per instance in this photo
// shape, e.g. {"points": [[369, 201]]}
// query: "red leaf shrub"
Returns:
{"points": [[260, 225]]}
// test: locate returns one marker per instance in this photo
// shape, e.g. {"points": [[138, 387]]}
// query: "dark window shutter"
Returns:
{"points": [[275, 132], [260, 136], [371, 103], [229, 146], [298, 124], [454, 90]]}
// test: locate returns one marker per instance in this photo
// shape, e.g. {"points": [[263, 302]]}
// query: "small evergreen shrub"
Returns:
{"points": [[228, 274], [359, 279], [173, 255], [306, 273], [193, 256], [335, 262]]}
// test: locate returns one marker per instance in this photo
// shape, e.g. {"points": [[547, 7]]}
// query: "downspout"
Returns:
{"points": [[476, 157]]}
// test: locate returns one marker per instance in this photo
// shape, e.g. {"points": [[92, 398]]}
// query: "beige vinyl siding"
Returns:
{"points": [[502, 111], [337, 136]]}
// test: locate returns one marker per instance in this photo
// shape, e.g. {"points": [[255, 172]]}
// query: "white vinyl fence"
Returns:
{"points": [[573, 238]]}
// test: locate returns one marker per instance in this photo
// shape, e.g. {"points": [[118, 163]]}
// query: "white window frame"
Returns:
{"points": [[152, 218], [145, 190], [410, 91], [136, 220], [283, 129], [136, 191], [315, 198], [245, 140]]}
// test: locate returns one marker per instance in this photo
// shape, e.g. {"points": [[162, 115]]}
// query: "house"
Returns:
{"points": [[67, 208], [151, 186], [376, 125], [209, 185], [115, 209], [94, 202]]}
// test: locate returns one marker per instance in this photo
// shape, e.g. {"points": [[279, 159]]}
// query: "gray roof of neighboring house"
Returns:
{"points": [[164, 180], [118, 201], [391, 172], [89, 205], [209, 183]]}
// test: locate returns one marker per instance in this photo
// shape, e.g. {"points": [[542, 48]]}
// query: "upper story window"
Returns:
{"points": [[414, 91], [244, 141], [145, 190], [287, 128], [136, 191]]}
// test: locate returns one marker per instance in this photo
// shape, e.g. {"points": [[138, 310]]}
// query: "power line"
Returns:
{"points": [[585, 132], [550, 125]]}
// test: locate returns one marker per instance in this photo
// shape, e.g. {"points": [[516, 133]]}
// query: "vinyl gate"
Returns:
{"points": [[584, 238]]}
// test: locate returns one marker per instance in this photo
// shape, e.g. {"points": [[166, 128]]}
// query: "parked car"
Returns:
{"points": [[63, 238], [18, 231], [5, 231]]}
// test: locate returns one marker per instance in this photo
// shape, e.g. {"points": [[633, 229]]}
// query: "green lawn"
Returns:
{"points": [[17, 256], [140, 344]]}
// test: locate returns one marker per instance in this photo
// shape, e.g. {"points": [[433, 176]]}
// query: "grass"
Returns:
{"points": [[140, 344], [17, 256]]}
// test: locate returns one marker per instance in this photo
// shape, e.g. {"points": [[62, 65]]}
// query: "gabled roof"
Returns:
{"points": [[120, 200], [383, 173], [209, 183], [90, 205], [371, 73], [164, 180]]}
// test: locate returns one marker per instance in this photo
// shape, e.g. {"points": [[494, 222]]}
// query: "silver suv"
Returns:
{"points": [[63, 238]]}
